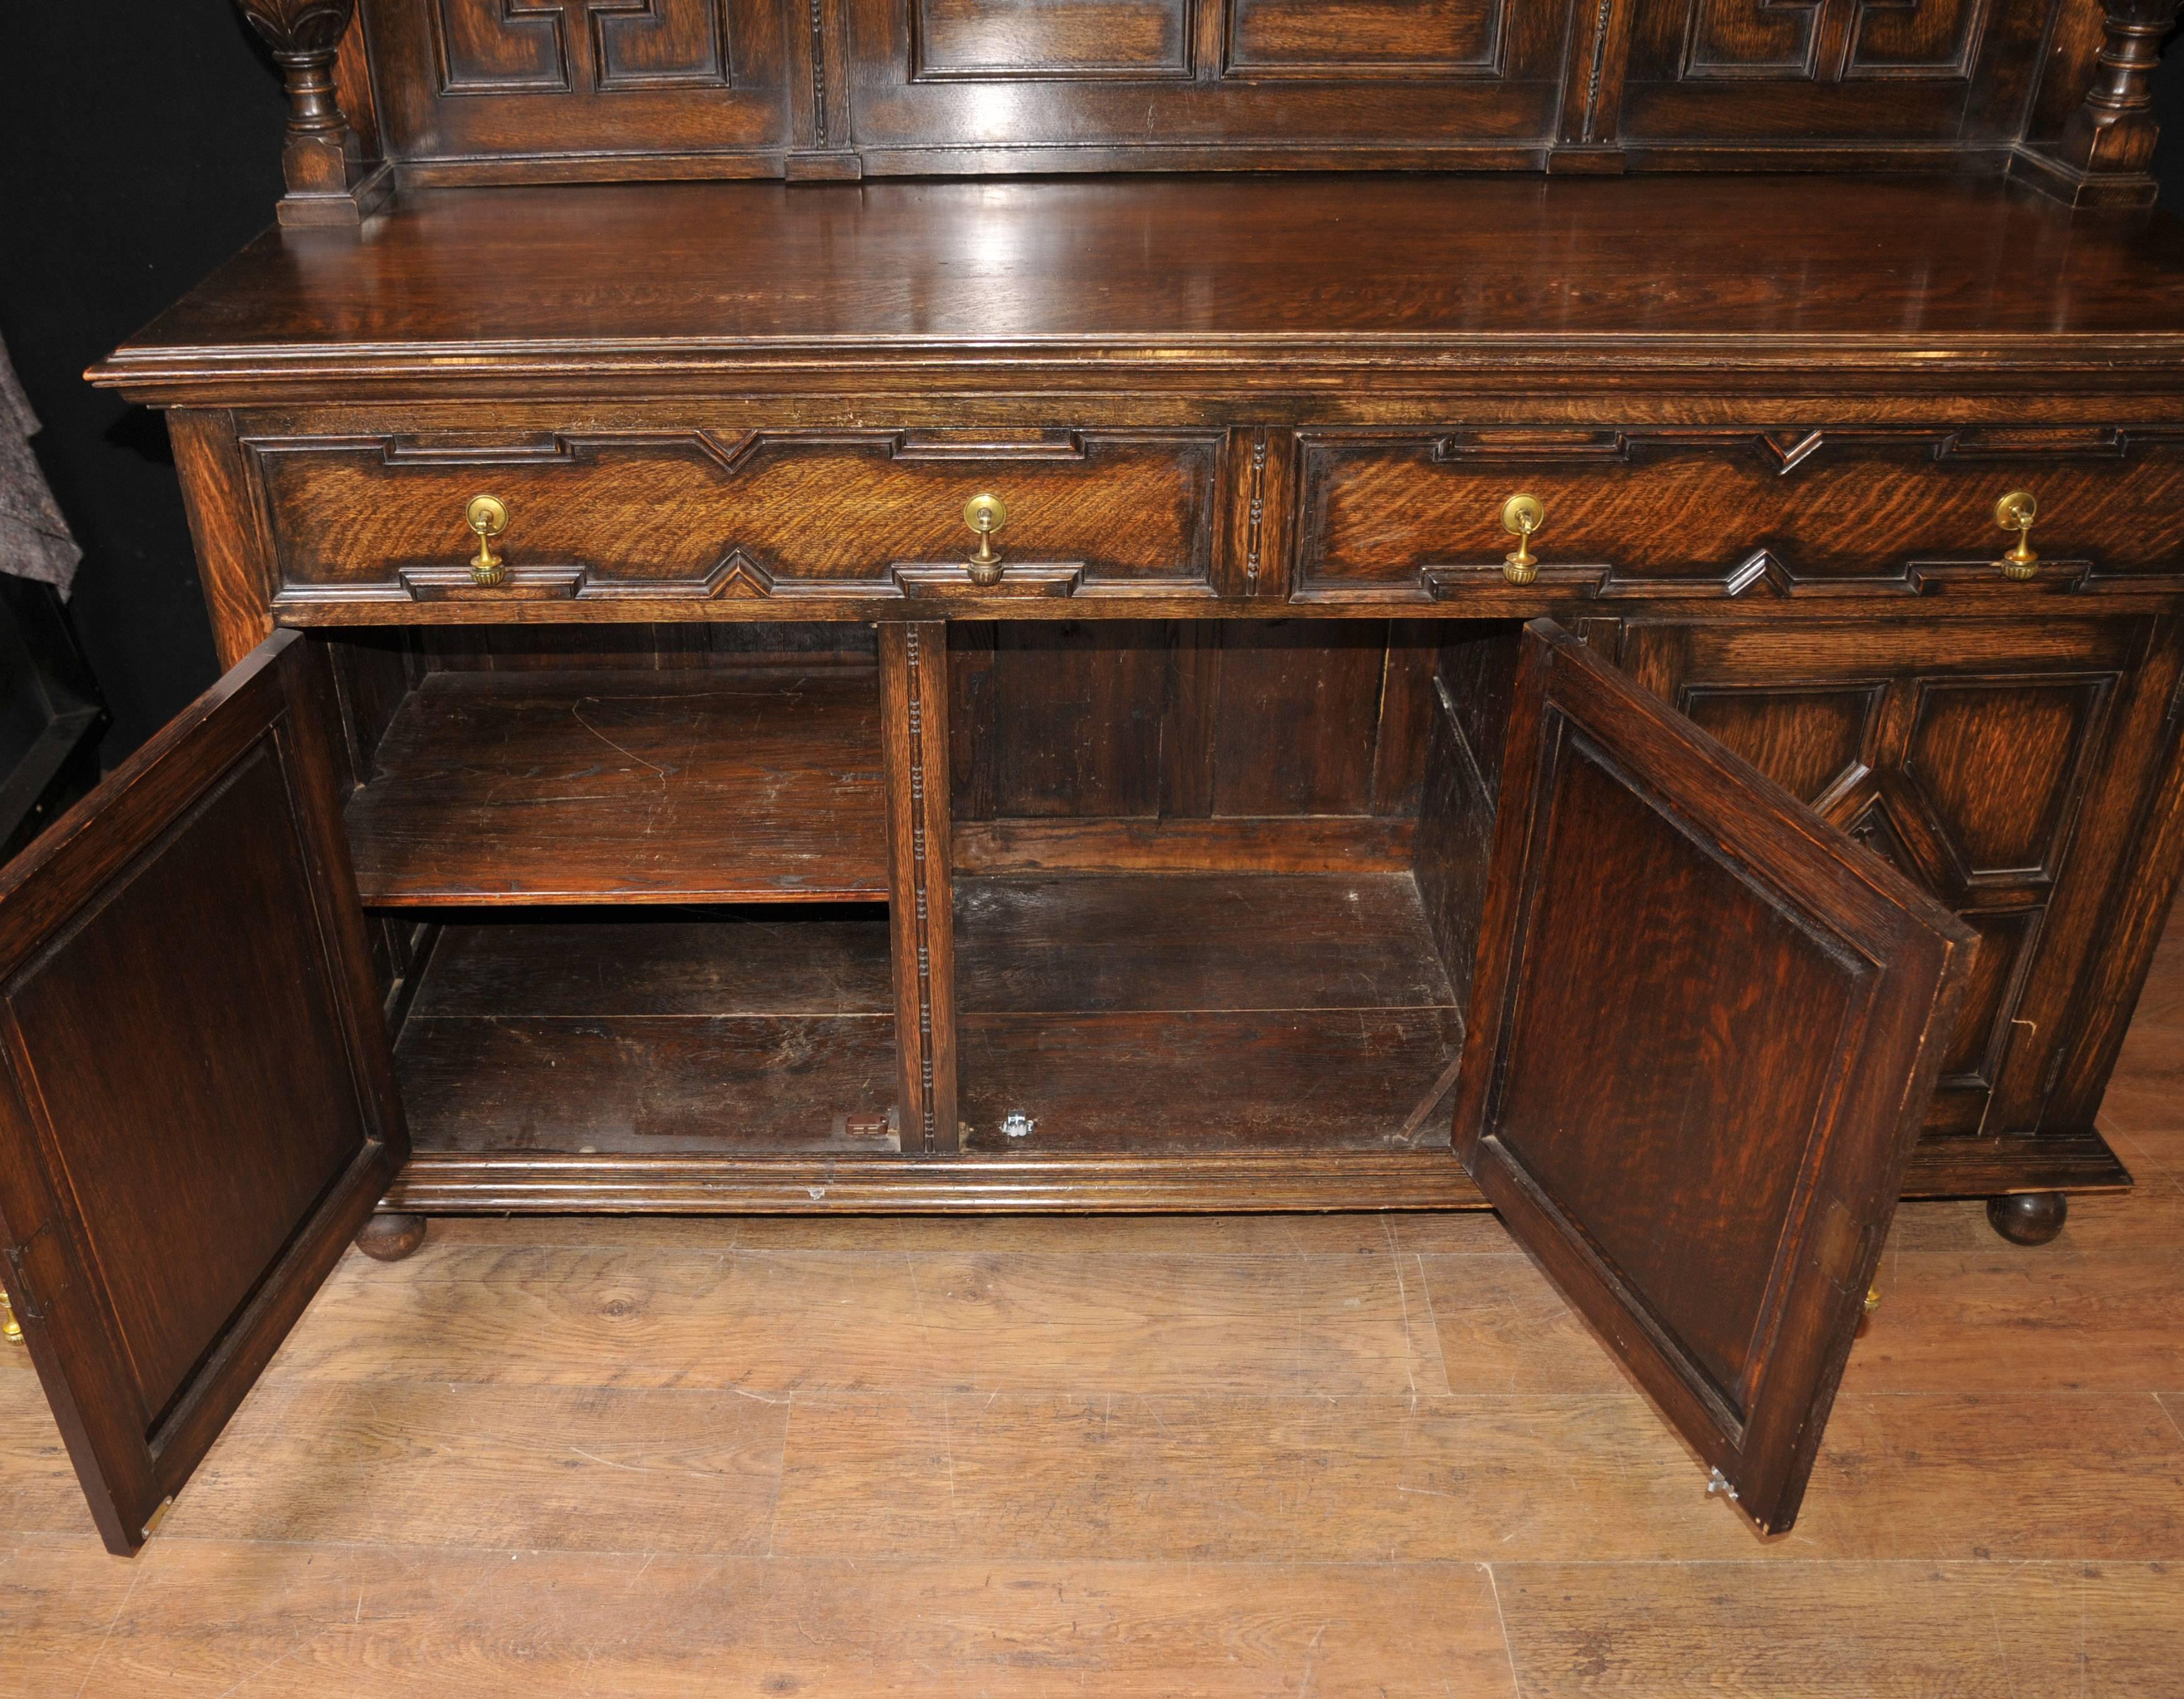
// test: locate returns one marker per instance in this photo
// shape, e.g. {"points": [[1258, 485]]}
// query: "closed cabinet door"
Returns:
{"points": [[198, 1107], [1704, 1027], [1999, 765]]}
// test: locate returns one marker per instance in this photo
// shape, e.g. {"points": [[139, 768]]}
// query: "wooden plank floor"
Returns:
{"points": [[1238, 1456]]}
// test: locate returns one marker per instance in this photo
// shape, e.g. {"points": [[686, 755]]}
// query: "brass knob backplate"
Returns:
{"points": [[985, 513], [1521, 516], [2015, 512], [487, 517]]}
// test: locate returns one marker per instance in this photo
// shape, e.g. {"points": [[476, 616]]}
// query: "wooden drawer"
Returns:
{"points": [[830, 516], [1418, 513]]}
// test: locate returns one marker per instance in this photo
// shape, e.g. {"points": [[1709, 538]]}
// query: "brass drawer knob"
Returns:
{"points": [[1521, 516], [2015, 512], [10, 1328], [985, 515], [487, 516]]}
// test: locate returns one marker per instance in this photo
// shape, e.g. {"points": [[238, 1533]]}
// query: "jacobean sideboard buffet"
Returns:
{"points": [[1136, 605]]}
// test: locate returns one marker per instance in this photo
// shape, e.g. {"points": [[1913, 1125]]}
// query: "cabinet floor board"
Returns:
{"points": [[1150, 941], [1177, 1012], [649, 1084]]}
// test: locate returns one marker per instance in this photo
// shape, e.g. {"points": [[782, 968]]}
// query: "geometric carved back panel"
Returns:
{"points": [[582, 82], [1752, 72]]}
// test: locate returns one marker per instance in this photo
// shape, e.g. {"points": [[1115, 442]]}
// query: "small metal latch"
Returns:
{"points": [[1718, 1482], [1017, 1125], [158, 1516]]}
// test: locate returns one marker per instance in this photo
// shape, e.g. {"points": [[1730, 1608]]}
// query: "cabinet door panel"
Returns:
{"points": [[1979, 748], [196, 1107], [1703, 1029]]}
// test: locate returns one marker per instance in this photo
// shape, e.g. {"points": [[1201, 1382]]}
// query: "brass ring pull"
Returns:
{"points": [[1521, 516], [487, 517], [985, 515], [2015, 512]]}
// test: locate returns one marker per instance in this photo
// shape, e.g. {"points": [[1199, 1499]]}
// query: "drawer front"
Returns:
{"points": [[1413, 514], [698, 514], [2001, 765]]}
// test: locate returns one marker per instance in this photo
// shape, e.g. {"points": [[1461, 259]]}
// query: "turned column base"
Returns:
{"points": [[390, 1237], [2028, 1218]]}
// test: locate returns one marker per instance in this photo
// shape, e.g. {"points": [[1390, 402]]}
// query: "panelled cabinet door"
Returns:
{"points": [[197, 1097], [1706, 1025]]}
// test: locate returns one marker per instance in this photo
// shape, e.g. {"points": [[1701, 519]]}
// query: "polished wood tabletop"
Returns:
{"points": [[1899, 272]]}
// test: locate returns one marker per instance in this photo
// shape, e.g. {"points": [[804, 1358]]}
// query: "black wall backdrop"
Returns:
{"points": [[139, 148]]}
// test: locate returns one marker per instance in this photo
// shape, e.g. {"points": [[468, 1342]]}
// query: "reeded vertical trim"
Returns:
{"points": [[920, 879], [1256, 526], [914, 707], [818, 75]]}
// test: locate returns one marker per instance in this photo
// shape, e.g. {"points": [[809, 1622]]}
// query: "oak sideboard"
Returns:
{"points": [[967, 605]]}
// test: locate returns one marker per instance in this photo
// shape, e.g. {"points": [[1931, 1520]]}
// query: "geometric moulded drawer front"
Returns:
{"points": [[701, 515], [1706, 511]]}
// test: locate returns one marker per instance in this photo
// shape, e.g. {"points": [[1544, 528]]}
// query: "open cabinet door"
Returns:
{"points": [[1706, 1025], [197, 1105]]}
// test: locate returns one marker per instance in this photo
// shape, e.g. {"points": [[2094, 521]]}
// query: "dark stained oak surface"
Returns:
{"points": [[537, 281]]}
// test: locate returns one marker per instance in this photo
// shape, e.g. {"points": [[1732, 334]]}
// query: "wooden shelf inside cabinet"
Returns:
{"points": [[622, 787]]}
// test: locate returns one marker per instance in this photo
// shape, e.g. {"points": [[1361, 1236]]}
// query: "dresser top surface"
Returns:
{"points": [[1184, 271]]}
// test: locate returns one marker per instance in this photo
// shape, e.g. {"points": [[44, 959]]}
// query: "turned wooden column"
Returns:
{"points": [[329, 181], [2102, 156]]}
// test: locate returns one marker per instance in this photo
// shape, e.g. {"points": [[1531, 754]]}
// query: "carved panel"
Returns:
{"points": [[467, 86], [1811, 741], [1015, 39], [1269, 38], [761, 515], [1830, 41], [1755, 74], [1961, 754], [1998, 762], [515, 46], [1095, 85]]}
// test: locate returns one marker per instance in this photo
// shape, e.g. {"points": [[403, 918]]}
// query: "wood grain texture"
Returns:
{"points": [[625, 787], [1895, 1629], [1237, 284]]}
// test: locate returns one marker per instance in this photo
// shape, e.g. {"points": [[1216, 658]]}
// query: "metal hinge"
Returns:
{"points": [[158, 1516]]}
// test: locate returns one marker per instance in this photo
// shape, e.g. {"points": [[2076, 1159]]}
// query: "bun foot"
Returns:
{"points": [[2028, 1218], [390, 1237]]}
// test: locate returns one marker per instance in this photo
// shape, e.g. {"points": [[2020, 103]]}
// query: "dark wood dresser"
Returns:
{"points": [[1136, 605]]}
